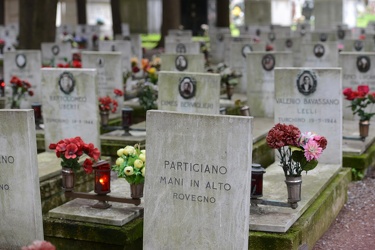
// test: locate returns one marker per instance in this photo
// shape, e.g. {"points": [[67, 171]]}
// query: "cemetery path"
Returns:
{"points": [[354, 227]]}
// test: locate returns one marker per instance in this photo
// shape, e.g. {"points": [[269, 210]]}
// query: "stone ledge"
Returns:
{"points": [[312, 224]]}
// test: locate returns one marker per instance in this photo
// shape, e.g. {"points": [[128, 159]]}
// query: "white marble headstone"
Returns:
{"points": [[217, 43], [24, 64], [109, 72], [122, 46], [357, 69], [319, 54], [261, 82], [182, 62], [311, 99], [197, 193], [189, 92], [70, 105], [182, 47], [21, 213], [56, 53]]}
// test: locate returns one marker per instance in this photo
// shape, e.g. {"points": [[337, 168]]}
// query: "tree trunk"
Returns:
{"points": [[116, 18], [2, 12], [171, 17], [37, 22], [81, 11], [222, 12]]}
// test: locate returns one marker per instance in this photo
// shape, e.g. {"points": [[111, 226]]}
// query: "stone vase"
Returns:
{"points": [[68, 179], [364, 128], [293, 185], [230, 89], [136, 190], [104, 118]]}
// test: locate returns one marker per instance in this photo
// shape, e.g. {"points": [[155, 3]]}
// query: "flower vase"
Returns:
{"points": [[364, 128], [230, 89], [104, 118], [136, 190], [68, 179], [293, 185]]}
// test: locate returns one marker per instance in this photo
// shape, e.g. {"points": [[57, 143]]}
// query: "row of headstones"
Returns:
{"points": [[216, 183]]}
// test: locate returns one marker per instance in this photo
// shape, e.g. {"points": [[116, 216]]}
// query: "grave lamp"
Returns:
{"points": [[2, 88], [257, 173], [102, 182], [127, 120], [102, 172], [245, 111], [37, 107]]}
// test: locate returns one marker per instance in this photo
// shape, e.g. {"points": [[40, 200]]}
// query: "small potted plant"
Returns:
{"points": [[360, 101], [131, 165], [70, 150], [106, 105], [298, 152]]}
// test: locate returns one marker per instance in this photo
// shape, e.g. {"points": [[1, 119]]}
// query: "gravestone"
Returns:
{"points": [[183, 62], [323, 36], [290, 44], [125, 31], [109, 72], [261, 82], [136, 46], [90, 33], [311, 99], [70, 105], [178, 32], [199, 190], [258, 12], [354, 45], [189, 92], [25, 64], [56, 53], [122, 46], [182, 47], [357, 69], [21, 213], [238, 51], [178, 39], [62, 31], [319, 54], [217, 43]]}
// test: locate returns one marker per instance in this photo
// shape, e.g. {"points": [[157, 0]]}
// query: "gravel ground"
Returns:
{"points": [[354, 227]]}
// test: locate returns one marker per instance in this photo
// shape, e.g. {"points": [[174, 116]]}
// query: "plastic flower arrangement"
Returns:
{"points": [[297, 151], [19, 89], [71, 149], [360, 100], [228, 75], [131, 164], [107, 104]]}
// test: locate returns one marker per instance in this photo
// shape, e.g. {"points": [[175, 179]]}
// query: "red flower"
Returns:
{"points": [[282, 135], [118, 92], [76, 64], [108, 104], [30, 92], [87, 166], [71, 150], [91, 151]]}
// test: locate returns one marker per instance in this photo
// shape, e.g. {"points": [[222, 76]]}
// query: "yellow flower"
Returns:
{"points": [[142, 157], [119, 161], [129, 170], [129, 150], [143, 170], [152, 70], [138, 163], [143, 151], [120, 152]]}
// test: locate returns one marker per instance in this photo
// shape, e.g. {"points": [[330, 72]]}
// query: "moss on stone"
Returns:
{"points": [[360, 162], [312, 224]]}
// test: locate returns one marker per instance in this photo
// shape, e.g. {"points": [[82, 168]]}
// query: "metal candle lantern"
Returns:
{"points": [[102, 172], [257, 180], [127, 119], [37, 107]]}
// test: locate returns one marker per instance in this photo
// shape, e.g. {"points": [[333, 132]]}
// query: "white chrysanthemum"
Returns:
{"points": [[119, 161], [129, 170]]}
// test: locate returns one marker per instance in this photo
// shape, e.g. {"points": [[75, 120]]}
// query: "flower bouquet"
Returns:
{"points": [[297, 151], [360, 100], [107, 104], [131, 164], [19, 89], [71, 149]]}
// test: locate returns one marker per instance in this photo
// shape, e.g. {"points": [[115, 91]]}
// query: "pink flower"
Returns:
{"points": [[312, 150]]}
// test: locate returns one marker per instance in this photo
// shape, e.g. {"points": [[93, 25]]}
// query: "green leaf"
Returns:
{"points": [[310, 165]]}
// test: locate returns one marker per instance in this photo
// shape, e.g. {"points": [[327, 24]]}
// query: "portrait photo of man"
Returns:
{"points": [[363, 64], [306, 83], [66, 82], [268, 62], [319, 50], [187, 87]]}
